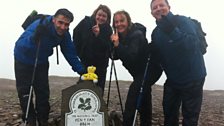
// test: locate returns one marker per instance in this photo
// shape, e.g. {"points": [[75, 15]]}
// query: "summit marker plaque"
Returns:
{"points": [[82, 105]]}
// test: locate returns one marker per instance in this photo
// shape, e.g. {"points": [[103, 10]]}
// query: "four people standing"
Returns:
{"points": [[174, 49]]}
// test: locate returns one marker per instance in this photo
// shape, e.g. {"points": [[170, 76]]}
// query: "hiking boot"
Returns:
{"points": [[43, 123], [116, 118], [33, 123]]}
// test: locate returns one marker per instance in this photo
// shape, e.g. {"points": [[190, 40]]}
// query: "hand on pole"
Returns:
{"points": [[115, 38]]}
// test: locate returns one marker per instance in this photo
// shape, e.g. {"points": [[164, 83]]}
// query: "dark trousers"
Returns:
{"points": [[145, 108], [101, 73], [188, 98], [23, 74]]}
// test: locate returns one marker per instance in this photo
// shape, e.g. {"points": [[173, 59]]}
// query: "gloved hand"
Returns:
{"points": [[166, 25], [40, 31], [82, 72]]}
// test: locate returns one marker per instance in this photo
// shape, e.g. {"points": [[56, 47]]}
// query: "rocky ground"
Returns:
{"points": [[212, 113]]}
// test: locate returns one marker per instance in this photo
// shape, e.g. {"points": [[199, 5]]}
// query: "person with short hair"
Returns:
{"points": [[53, 31], [177, 50]]}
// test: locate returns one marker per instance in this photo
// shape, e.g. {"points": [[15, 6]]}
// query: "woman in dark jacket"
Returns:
{"points": [[130, 47], [92, 40]]}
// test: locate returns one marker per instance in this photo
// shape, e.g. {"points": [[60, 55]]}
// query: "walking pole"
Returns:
{"points": [[139, 100], [108, 94], [118, 89], [31, 86], [115, 73]]}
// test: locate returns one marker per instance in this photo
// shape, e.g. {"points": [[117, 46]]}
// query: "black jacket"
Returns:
{"points": [[132, 51], [92, 50]]}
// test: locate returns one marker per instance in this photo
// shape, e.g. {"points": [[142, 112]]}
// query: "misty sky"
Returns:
{"points": [[207, 12]]}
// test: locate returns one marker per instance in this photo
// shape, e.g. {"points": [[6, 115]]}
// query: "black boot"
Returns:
{"points": [[43, 123], [32, 123], [29, 123]]}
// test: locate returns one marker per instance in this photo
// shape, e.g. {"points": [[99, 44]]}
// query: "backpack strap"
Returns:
{"points": [[200, 33], [141, 27]]}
